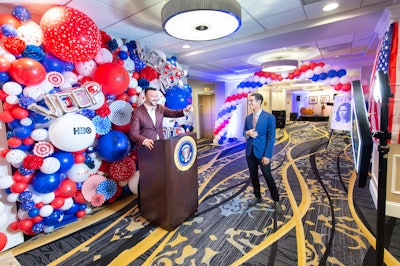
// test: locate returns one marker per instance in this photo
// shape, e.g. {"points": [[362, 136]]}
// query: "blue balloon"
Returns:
{"points": [[177, 98], [66, 159], [33, 212], [52, 63], [8, 30], [74, 208], [27, 205], [54, 218], [25, 196], [37, 227], [113, 146], [315, 78], [341, 72], [22, 132], [4, 76], [323, 76], [332, 73], [46, 183], [21, 13]]}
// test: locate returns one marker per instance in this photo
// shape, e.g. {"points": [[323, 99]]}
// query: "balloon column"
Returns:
{"points": [[335, 77], [67, 100]]}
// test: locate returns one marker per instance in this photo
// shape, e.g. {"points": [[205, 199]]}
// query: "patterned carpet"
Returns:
{"points": [[327, 219]]}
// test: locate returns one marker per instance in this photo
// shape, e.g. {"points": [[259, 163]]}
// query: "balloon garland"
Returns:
{"points": [[67, 100], [325, 73]]}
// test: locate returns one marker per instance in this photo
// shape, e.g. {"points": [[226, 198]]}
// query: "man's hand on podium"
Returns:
{"points": [[149, 143]]}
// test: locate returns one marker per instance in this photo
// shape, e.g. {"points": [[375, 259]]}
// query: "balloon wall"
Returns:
{"points": [[67, 103], [317, 72]]}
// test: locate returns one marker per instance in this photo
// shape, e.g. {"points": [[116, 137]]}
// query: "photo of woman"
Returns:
{"points": [[341, 115]]}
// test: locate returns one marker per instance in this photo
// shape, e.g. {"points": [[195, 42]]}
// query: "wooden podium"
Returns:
{"points": [[168, 181]]}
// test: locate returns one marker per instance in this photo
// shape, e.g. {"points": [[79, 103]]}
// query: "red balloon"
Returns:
{"points": [[80, 213], [57, 202], [9, 19], [14, 142], [18, 187], [28, 141], [123, 97], [113, 77], [3, 240], [19, 113], [66, 189], [27, 71], [346, 87], [124, 128], [70, 34], [37, 219], [4, 65], [79, 158], [25, 225], [14, 225], [136, 75], [78, 197], [6, 117]]}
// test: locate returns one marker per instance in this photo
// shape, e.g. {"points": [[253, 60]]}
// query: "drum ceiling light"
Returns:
{"points": [[282, 65], [201, 20]]}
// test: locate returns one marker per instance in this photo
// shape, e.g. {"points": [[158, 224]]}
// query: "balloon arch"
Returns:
{"points": [[325, 73]]}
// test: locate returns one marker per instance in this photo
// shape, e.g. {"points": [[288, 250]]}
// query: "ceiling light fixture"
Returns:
{"points": [[201, 20], [277, 66], [330, 7]]}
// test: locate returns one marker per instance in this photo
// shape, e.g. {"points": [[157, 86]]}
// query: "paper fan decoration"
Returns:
{"points": [[108, 188], [89, 186], [122, 170], [121, 112], [97, 200]]}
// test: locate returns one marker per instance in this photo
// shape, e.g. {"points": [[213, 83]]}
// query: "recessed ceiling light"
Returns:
{"points": [[330, 7], [186, 46]]}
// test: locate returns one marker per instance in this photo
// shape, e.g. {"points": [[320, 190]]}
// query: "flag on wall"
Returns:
{"points": [[386, 60]]}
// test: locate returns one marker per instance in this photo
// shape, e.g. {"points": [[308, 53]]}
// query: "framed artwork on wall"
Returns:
{"points": [[325, 99], [313, 99]]}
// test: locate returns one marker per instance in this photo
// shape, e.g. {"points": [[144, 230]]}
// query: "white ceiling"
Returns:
{"points": [[295, 29]]}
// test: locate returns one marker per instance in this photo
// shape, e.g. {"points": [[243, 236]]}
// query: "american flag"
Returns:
{"points": [[387, 59]]}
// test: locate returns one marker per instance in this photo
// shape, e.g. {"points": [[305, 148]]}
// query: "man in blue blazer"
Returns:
{"points": [[259, 130]]}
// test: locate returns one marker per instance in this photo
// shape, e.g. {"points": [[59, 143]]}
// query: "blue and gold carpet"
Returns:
{"points": [[326, 219]]}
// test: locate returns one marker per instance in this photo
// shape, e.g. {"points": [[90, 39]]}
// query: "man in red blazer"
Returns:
{"points": [[146, 121]]}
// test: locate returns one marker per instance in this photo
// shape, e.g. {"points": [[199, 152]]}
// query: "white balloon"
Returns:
{"points": [[9, 57], [68, 202], [30, 33], [48, 229], [309, 73], [39, 134], [133, 182], [133, 83], [345, 79], [50, 165], [318, 70], [46, 210], [103, 56], [15, 156], [12, 99], [1, 208], [335, 81], [72, 132], [21, 214], [34, 92], [12, 88], [6, 181], [326, 68], [138, 89], [134, 99], [70, 77], [78, 172], [47, 197], [26, 121], [65, 86], [12, 197], [87, 68]]}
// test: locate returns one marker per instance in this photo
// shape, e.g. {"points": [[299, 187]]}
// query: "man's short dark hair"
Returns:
{"points": [[149, 89], [258, 96]]}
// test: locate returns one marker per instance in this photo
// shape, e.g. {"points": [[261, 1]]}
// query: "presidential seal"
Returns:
{"points": [[185, 153]]}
